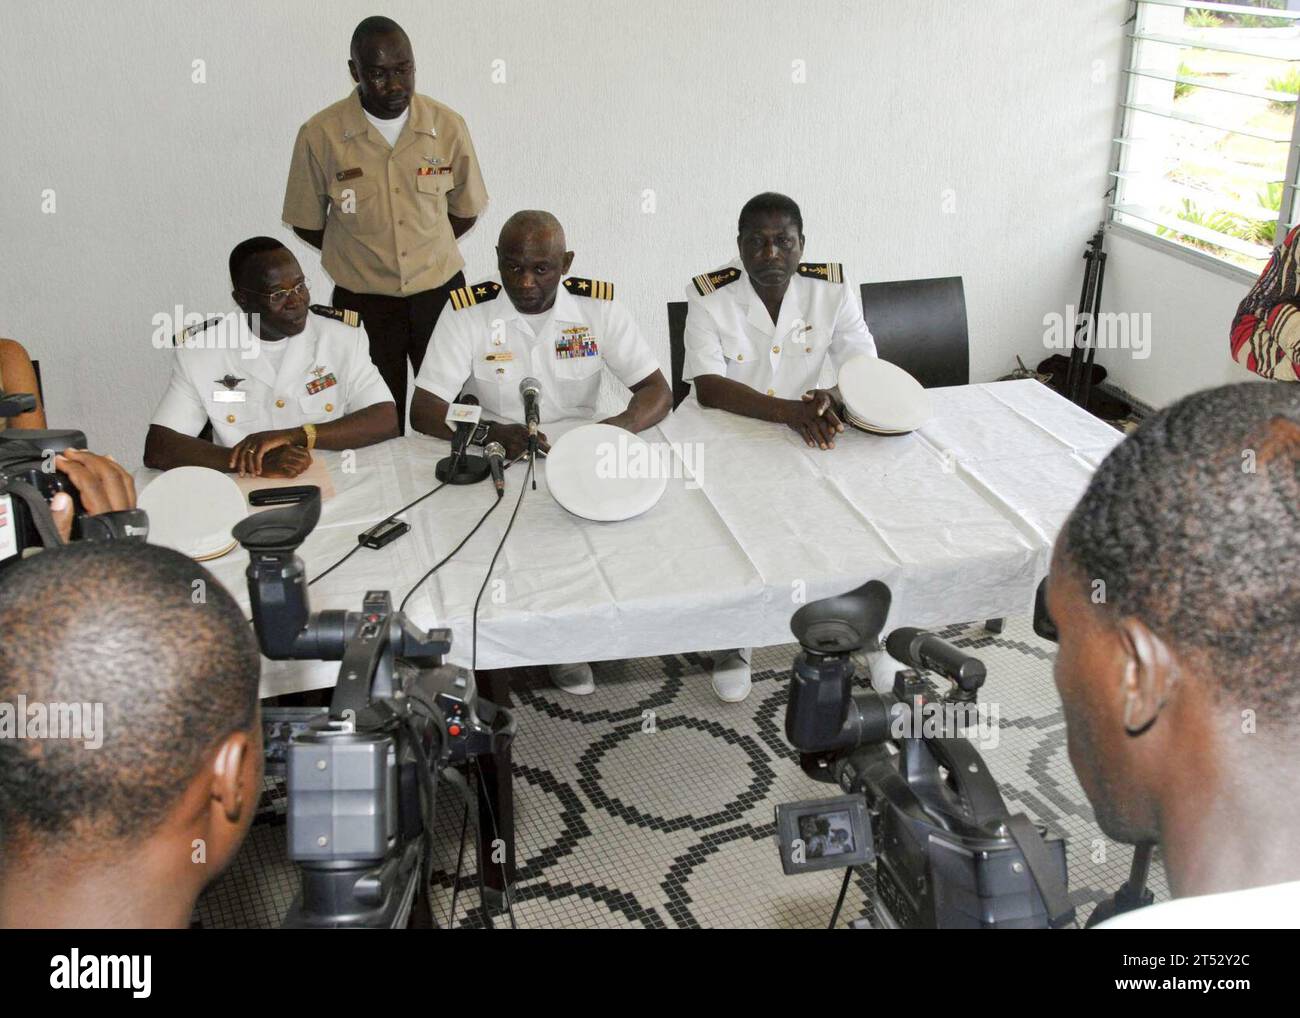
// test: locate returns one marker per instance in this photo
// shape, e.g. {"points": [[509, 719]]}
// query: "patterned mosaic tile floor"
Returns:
{"points": [[649, 804]]}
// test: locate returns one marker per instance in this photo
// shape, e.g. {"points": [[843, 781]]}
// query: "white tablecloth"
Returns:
{"points": [[957, 518]]}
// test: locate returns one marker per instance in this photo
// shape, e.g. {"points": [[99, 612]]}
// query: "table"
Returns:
{"points": [[957, 518]]}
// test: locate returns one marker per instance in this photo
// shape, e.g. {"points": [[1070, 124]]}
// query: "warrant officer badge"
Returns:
{"points": [[230, 381]]}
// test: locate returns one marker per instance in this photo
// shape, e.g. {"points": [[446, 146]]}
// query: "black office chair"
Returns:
{"points": [[677, 349], [920, 325]]}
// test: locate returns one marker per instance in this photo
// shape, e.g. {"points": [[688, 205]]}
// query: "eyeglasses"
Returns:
{"points": [[278, 298]]}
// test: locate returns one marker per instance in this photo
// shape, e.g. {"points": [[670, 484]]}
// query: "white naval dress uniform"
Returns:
{"points": [[325, 373], [730, 333], [485, 347]]}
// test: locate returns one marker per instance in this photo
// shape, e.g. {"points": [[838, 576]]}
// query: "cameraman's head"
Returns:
{"points": [[1174, 587], [132, 762]]}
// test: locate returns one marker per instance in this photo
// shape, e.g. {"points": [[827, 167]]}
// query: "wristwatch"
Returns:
{"points": [[480, 436], [310, 431]]}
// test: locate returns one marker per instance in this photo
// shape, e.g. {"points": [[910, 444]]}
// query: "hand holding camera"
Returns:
{"points": [[102, 484]]}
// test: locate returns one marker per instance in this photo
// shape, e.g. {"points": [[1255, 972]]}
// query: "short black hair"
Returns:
{"points": [[1192, 522], [247, 251], [127, 625], [373, 27], [767, 203]]}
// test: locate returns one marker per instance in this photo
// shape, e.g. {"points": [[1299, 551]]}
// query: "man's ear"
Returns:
{"points": [[236, 773], [242, 301], [1150, 672], [352, 70], [568, 260]]}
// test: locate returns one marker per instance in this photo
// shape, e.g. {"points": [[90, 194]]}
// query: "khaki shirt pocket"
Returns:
{"points": [[357, 207], [432, 189]]}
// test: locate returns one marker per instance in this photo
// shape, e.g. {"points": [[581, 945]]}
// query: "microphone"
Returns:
{"points": [[461, 467], [925, 651], [496, 455], [531, 391], [463, 416]]}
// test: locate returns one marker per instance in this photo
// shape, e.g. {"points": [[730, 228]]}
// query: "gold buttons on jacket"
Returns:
{"points": [[776, 349], [230, 418], [329, 408], [279, 404], [771, 392], [740, 356]]}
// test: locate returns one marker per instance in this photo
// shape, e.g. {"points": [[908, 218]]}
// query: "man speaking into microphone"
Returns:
{"points": [[558, 331], [540, 351]]}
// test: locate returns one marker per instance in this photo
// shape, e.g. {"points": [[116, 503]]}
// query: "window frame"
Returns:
{"points": [[1287, 212]]}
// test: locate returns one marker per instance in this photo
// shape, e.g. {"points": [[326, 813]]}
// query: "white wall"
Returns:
{"points": [[1007, 103], [1191, 310]]}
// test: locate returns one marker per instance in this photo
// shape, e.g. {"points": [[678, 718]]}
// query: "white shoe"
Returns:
{"points": [[574, 678], [731, 675]]}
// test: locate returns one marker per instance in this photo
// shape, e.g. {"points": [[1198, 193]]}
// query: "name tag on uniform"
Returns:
{"points": [[351, 174], [229, 396], [505, 355]]}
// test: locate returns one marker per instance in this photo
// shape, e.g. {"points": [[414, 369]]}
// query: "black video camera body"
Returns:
{"points": [[362, 778], [29, 481], [948, 853]]}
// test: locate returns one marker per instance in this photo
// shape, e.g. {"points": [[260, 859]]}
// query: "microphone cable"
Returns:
{"points": [[386, 519], [492, 565], [481, 520]]}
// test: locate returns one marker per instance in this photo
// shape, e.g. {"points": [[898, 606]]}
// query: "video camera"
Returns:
{"points": [[29, 480], [919, 799], [362, 778]]}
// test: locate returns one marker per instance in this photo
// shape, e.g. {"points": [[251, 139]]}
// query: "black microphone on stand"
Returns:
{"points": [[464, 429], [496, 455], [460, 468], [531, 391]]}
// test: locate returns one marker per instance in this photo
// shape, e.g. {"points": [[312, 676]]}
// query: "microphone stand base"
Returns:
{"points": [[470, 470]]}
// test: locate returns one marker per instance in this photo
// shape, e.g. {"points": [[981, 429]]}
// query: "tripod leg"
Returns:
{"points": [[496, 800], [1133, 894]]}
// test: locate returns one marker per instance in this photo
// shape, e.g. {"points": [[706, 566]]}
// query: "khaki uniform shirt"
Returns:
{"points": [[484, 346], [384, 209]]}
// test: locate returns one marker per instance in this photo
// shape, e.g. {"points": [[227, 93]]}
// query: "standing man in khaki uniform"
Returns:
{"points": [[382, 183]]}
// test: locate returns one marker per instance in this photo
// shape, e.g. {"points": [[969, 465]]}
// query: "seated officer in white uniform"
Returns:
{"points": [[560, 335], [757, 343], [301, 381]]}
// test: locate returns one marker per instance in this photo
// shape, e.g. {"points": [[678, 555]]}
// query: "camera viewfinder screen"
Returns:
{"points": [[826, 834]]}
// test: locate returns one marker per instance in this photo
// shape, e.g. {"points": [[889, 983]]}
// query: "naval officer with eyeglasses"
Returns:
{"points": [[293, 376]]}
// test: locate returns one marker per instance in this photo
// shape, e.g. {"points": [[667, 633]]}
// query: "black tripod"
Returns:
{"points": [[1133, 894], [1078, 380]]}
